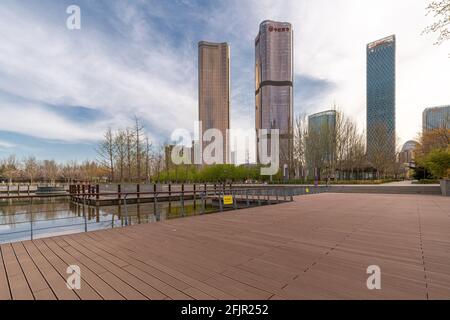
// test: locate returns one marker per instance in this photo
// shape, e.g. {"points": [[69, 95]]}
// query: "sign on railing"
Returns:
{"points": [[227, 200]]}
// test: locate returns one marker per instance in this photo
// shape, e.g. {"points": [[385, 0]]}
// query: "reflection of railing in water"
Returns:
{"points": [[171, 203]]}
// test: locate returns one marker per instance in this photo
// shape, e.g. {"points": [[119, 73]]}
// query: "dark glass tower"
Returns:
{"points": [[381, 99]]}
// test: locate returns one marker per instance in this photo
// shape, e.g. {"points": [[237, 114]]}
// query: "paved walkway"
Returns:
{"points": [[318, 246]]}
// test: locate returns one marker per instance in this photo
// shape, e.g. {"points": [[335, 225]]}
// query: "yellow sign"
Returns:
{"points": [[227, 199], [307, 190]]}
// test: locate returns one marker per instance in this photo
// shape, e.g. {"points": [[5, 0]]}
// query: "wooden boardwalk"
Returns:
{"points": [[317, 247]]}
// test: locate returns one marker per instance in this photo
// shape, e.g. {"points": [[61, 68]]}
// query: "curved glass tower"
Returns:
{"points": [[274, 85], [381, 99]]}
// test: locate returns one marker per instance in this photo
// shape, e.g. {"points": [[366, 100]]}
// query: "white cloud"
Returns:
{"points": [[143, 73], [52, 65], [330, 39], [6, 145]]}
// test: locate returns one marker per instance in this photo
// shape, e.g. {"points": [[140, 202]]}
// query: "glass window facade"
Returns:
{"points": [[435, 118], [214, 89], [322, 128], [381, 136], [274, 83]]}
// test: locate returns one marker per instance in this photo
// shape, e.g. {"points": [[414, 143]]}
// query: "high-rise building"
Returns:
{"points": [[381, 137], [322, 132], [274, 85], [214, 89], [435, 118]]}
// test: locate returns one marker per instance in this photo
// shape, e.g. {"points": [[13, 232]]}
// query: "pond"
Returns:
{"points": [[45, 217]]}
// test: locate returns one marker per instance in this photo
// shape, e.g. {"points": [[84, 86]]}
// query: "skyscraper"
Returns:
{"points": [[321, 153], [435, 118], [274, 85], [322, 126], [381, 99], [214, 89]]}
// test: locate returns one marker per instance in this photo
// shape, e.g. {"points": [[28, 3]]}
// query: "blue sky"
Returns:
{"points": [[60, 89]]}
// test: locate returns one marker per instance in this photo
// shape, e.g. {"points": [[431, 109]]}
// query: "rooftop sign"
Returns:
{"points": [[380, 42]]}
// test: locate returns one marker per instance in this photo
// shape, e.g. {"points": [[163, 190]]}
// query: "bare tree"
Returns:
{"points": [[50, 171], [300, 132], [31, 168], [147, 158], [129, 147], [120, 145], [441, 12], [379, 156], [138, 128], [106, 152], [158, 157], [11, 168]]}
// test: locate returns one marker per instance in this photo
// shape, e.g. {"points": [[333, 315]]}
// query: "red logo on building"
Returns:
{"points": [[271, 28]]}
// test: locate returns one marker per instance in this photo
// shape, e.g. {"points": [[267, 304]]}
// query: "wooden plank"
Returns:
{"points": [[163, 271], [36, 281], [20, 290], [86, 292], [5, 293], [318, 246], [128, 278], [94, 281], [98, 262], [56, 281]]}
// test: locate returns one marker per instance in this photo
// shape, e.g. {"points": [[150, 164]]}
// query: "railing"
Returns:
{"points": [[26, 189], [193, 202]]}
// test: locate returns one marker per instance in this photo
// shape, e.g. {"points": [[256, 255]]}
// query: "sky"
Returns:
{"points": [[60, 89]]}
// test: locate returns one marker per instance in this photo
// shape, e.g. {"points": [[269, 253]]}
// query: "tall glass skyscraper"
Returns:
{"points": [[274, 85], [214, 89], [435, 118], [381, 99]]}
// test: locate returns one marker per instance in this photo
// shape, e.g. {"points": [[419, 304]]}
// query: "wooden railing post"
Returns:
{"points": [[195, 198], [138, 190]]}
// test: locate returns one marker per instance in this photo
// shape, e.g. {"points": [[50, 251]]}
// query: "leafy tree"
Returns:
{"points": [[438, 162]]}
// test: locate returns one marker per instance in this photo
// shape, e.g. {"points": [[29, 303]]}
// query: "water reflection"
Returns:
{"points": [[39, 218]]}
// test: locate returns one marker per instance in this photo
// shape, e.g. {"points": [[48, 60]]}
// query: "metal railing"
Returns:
{"points": [[193, 202]]}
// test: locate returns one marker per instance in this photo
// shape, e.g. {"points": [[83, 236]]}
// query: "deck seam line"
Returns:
{"points": [[26, 279], [64, 261], [121, 268], [54, 268], [87, 267], [6, 273], [43, 277], [152, 275]]}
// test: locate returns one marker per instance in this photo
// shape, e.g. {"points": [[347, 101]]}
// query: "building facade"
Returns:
{"points": [[407, 156], [214, 89], [436, 118], [381, 74], [321, 151], [274, 86]]}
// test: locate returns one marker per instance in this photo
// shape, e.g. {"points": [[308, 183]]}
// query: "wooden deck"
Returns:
{"points": [[317, 247]]}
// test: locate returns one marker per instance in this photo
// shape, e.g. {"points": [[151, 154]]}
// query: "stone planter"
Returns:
{"points": [[445, 187]]}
